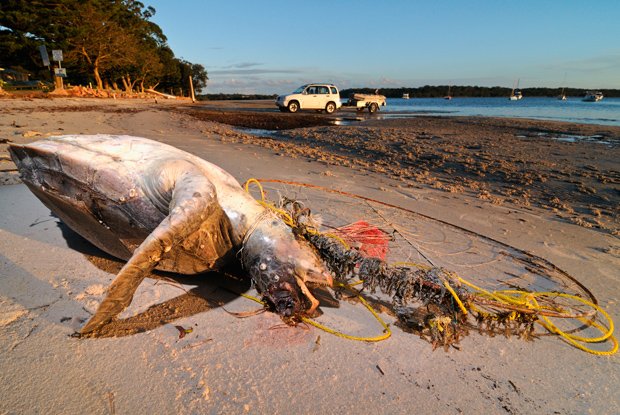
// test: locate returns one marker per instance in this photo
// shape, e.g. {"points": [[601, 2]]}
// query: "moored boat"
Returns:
{"points": [[592, 96], [562, 96], [516, 94]]}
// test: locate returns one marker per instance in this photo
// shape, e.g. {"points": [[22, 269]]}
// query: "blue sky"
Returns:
{"points": [[262, 46]]}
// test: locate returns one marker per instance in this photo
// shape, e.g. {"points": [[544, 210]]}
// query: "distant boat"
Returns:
{"points": [[562, 96], [516, 94], [449, 96], [592, 96], [405, 96]]}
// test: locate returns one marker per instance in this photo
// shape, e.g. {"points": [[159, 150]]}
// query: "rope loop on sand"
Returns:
{"points": [[386, 328]]}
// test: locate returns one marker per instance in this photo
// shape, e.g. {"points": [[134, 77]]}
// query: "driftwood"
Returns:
{"points": [[161, 94], [81, 91]]}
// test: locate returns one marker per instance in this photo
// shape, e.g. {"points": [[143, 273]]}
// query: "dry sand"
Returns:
{"points": [[499, 178]]}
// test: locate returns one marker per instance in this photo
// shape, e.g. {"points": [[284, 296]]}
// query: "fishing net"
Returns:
{"points": [[437, 279]]}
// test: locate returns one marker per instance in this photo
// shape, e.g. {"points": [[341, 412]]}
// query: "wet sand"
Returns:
{"points": [[514, 181]]}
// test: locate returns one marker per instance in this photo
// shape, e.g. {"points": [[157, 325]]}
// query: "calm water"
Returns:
{"points": [[605, 112]]}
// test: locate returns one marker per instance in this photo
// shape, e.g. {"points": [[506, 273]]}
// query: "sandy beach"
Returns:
{"points": [[549, 189]]}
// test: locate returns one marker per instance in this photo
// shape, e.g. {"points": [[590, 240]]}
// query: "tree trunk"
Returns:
{"points": [[95, 66], [132, 85], [97, 76], [126, 83], [115, 85]]}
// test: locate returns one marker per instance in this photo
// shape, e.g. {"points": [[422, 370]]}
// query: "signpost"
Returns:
{"points": [[44, 56], [57, 55], [59, 72]]}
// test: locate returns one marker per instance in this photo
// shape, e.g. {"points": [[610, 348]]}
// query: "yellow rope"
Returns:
{"points": [[455, 296], [411, 264], [607, 332], [528, 299], [510, 297], [257, 183], [386, 328], [339, 239]]}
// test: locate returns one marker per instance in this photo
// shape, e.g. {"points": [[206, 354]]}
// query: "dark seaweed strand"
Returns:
{"points": [[418, 296]]}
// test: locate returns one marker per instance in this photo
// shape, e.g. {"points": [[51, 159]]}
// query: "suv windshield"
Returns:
{"points": [[300, 89]]}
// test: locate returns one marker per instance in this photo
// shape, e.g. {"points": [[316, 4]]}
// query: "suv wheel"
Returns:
{"points": [[330, 107], [293, 106], [373, 108]]}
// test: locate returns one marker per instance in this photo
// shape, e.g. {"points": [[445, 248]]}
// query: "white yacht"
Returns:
{"points": [[516, 94], [592, 96]]}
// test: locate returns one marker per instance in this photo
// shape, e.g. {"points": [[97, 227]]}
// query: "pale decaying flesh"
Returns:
{"points": [[159, 207]]}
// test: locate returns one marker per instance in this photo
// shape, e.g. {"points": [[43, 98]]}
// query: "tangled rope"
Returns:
{"points": [[445, 300]]}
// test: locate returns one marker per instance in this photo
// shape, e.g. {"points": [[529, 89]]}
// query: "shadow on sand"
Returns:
{"points": [[213, 289]]}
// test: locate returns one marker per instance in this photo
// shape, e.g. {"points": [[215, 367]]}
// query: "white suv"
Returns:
{"points": [[311, 97]]}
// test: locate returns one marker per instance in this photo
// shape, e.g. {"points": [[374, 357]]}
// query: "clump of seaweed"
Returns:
{"points": [[420, 301], [425, 300]]}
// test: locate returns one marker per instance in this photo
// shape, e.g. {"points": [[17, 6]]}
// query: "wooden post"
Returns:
{"points": [[191, 88], [58, 82]]}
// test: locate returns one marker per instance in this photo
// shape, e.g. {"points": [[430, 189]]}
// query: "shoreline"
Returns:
{"points": [[535, 109]]}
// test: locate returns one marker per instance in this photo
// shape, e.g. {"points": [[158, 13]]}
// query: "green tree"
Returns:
{"points": [[99, 40], [177, 73], [196, 71], [24, 26], [108, 41], [144, 63]]}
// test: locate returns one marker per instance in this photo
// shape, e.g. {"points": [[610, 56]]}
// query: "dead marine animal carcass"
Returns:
{"points": [[156, 206]]}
